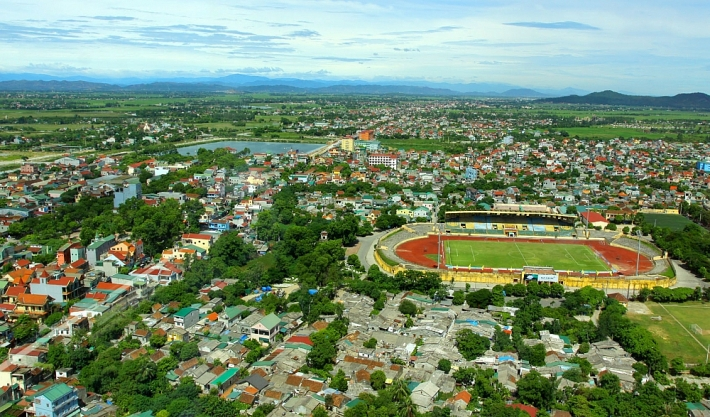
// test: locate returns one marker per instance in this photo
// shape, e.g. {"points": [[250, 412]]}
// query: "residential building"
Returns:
{"points": [[266, 329], [389, 160], [34, 305], [347, 144], [99, 247], [204, 241], [594, 219], [186, 317], [60, 289], [26, 355], [59, 400], [220, 225], [129, 189]]}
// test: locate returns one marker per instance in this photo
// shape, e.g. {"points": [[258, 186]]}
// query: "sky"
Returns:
{"points": [[643, 47]]}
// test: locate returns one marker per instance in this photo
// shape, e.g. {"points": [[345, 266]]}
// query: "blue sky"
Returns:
{"points": [[649, 47]]}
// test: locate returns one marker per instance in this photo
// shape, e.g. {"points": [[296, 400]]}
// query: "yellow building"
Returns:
{"points": [[348, 144]]}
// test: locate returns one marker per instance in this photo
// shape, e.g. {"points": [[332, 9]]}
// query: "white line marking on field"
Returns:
{"points": [[521, 253]]}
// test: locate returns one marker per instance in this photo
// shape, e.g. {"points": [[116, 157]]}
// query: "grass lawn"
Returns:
{"points": [[385, 259], [519, 254], [672, 339], [671, 221]]}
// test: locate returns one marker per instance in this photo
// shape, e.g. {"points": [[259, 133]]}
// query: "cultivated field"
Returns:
{"points": [[518, 254], [674, 339], [671, 221]]}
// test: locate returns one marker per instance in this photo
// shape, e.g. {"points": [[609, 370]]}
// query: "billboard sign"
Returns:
{"points": [[541, 277]]}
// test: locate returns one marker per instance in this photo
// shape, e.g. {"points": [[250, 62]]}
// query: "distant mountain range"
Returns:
{"points": [[611, 98], [249, 83]]}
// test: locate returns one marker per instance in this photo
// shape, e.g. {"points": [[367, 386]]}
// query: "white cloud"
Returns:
{"points": [[590, 45]]}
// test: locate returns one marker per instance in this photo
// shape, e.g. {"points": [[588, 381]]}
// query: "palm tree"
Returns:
{"points": [[401, 395]]}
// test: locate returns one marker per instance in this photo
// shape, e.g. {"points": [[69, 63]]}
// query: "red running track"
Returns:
{"points": [[621, 259]]}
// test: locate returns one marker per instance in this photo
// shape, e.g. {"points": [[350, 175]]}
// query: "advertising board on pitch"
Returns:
{"points": [[542, 277]]}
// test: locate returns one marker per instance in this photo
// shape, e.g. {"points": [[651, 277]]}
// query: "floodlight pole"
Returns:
{"points": [[638, 254], [438, 247]]}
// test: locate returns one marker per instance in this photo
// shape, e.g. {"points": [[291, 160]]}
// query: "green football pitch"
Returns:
{"points": [[672, 221], [492, 254]]}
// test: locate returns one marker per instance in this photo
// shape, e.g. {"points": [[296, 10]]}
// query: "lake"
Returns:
{"points": [[254, 147]]}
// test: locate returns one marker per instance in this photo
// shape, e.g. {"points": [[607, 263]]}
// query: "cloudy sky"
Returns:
{"points": [[646, 47]]}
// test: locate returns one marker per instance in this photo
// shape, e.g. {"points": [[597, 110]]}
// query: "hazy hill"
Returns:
{"points": [[679, 101]]}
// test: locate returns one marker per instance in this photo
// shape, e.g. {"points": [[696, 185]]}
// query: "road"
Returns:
{"points": [[366, 253], [685, 278]]}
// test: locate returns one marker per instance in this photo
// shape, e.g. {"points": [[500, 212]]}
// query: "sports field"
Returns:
{"points": [[672, 221], [676, 338], [493, 254]]}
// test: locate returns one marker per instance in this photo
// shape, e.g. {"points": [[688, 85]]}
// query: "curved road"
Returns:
{"points": [[366, 252]]}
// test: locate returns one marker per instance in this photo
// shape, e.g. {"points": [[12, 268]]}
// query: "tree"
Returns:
{"points": [[536, 390], [157, 341], [319, 411], [377, 380], [611, 383], [189, 351], [193, 210], [25, 329], [231, 249], [465, 376], [57, 355], [471, 345], [407, 308], [479, 299], [458, 298], [53, 318], [354, 261], [501, 341], [444, 365], [677, 366], [370, 343], [339, 382], [534, 354]]}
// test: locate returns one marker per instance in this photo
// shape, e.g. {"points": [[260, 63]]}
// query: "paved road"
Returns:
{"points": [[685, 278], [367, 249]]}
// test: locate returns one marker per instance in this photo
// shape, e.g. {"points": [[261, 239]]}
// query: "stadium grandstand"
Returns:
{"points": [[512, 220]]}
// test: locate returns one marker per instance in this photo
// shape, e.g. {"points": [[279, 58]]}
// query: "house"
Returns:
{"points": [[203, 241], [620, 298], [69, 253], [220, 225], [26, 355], [186, 317], [59, 400], [130, 189], [60, 289], [69, 327], [99, 247], [224, 380], [34, 305], [178, 334], [231, 315], [266, 329], [594, 219], [424, 395]]}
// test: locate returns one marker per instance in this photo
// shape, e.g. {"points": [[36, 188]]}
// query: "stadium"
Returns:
{"points": [[512, 243]]}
